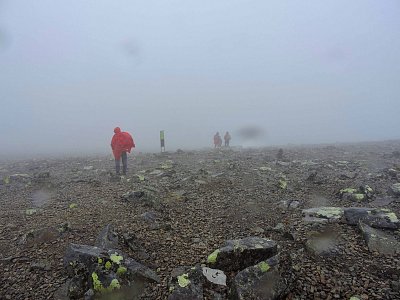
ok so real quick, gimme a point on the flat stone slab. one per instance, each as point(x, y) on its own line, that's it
point(323, 214)
point(378, 218)
point(239, 254)
point(379, 241)
point(261, 281)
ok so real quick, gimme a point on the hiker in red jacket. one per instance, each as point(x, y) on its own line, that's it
point(217, 140)
point(121, 143)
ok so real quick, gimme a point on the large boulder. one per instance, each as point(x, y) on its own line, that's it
point(379, 241)
point(186, 283)
point(238, 254)
point(261, 281)
point(378, 218)
point(322, 246)
point(107, 239)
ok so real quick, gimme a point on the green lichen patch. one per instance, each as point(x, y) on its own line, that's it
point(121, 270)
point(392, 217)
point(264, 266)
point(282, 184)
point(348, 191)
point(359, 197)
point(30, 211)
point(73, 205)
point(100, 261)
point(6, 180)
point(212, 258)
point(115, 258)
point(183, 280)
point(330, 212)
point(97, 285)
point(108, 265)
point(114, 285)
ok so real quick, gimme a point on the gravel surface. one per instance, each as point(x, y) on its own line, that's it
point(200, 199)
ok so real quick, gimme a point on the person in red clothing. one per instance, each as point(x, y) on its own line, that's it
point(121, 143)
point(217, 140)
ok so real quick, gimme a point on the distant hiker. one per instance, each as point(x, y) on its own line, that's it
point(227, 138)
point(121, 143)
point(217, 140)
point(279, 155)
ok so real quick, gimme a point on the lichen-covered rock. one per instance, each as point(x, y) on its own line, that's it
point(323, 214)
point(186, 283)
point(322, 246)
point(379, 241)
point(262, 281)
point(238, 254)
point(378, 218)
point(395, 189)
point(107, 239)
point(88, 255)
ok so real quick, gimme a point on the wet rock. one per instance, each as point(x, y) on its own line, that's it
point(378, 218)
point(107, 239)
point(322, 246)
point(214, 276)
point(43, 235)
point(379, 241)
point(395, 189)
point(238, 254)
point(261, 281)
point(186, 283)
point(323, 214)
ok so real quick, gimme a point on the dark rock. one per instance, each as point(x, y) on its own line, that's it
point(88, 255)
point(261, 281)
point(137, 270)
point(379, 241)
point(77, 287)
point(186, 283)
point(239, 254)
point(378, 218)
point(62, 292)
point(107, 239)
point(382, 201)
point(43, 235)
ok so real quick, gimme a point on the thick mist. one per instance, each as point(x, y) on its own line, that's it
point(298, 72)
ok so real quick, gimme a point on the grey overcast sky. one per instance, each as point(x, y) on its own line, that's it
point(302, 71)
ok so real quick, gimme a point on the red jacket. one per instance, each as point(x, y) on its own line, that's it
point(121, 142)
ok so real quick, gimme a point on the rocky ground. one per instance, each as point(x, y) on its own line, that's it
point(175, 209)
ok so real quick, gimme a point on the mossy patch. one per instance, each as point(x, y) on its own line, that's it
point(212, 258)
point(73, 205)
point(282, 184)
point(183, 280)
point(392, 217)
point(97, 285)
point(264, 266)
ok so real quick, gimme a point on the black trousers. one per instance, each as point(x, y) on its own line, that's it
point(124, 157)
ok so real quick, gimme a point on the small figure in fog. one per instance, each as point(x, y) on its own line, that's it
point(121, 144)
point(217, 140)
point(279, 155)
point(227, 138)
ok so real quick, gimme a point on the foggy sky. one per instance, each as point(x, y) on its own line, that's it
point(302, 71)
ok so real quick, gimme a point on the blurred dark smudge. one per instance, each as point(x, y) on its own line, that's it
point(251, 132)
